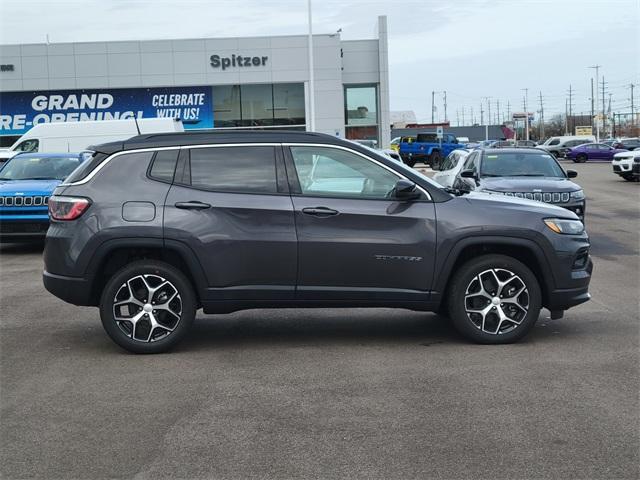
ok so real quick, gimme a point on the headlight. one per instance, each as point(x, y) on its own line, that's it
point(578, 195)
point(564, 226)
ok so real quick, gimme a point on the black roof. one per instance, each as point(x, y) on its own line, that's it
point(220, 136)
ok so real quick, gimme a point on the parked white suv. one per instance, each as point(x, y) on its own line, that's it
point(451, 166)
point(627, 165)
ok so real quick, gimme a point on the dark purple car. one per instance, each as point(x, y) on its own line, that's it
point(592, 151)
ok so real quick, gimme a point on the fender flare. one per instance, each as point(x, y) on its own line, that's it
point(444, 268)
point(186, 254)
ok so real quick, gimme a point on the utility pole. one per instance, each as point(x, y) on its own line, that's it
point(541, 117)
point(498, 112)
point(604, 121)
point(566, 117)
point(526, 112)
point(508, 110)
point(463, 124)
point(433, 106)
point(593, 102)
point(473, 119)
point(592, 105)
point(570, 117)
point(445, 105)
point(481, 115)
point(457, 117)
point(488, 99)
point(633, 114)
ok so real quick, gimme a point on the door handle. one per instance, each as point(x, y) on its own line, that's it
point(192, 205)
point(320, 211)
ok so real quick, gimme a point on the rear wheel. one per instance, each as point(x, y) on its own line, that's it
point(147, 307)
point(435, 159)
point(581, 158)
point(409, 162)
point(494, 299)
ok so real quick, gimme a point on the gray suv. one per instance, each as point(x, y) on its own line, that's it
point(153, 228)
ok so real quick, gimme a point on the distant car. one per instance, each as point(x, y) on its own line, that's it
point(395, 144)
point(428, 148)
point(450, 167)
point(366, 142)
point(522, 173)
point(558, 146)
point(503, 144)
point(525, 143)
point(592, 151)
point(627, 165)
point(628, 143)
point(27, 180)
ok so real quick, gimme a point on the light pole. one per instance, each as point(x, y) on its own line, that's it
point(312, 89)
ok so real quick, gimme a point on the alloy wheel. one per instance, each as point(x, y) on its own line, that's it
point(147, 308)
point(496, 301)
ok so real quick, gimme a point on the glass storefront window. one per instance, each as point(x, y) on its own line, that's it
point(259, 105)
point(288, 104)
point(361, 105)
point(226, 105)
point(256, 103)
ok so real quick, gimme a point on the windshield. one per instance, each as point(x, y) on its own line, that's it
point(520, 164)
point(26, 167)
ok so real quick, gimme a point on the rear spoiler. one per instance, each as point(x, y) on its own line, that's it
point(107, 148)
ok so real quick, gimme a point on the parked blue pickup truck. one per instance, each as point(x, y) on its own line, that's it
point(428, 149)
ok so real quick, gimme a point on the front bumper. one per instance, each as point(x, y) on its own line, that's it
point(565, 298)
point(626, 168)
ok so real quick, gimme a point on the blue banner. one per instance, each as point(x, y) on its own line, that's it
point(19, 111)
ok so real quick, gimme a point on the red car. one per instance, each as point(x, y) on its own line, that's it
point(592, 151)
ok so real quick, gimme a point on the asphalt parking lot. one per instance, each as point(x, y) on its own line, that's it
point(331, 393)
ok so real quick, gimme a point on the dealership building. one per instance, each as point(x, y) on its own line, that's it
point(252, 82)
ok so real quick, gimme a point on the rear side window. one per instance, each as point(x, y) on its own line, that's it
point(86, 167)
point(164, 165)
point(234, 169)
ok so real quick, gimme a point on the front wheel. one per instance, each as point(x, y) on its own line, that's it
point(494, 299)
point(147, 307)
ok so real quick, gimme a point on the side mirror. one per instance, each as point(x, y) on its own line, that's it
point(468, 174)
point(406, 190)
point(572, 174)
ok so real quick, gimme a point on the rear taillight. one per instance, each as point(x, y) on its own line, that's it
point(67, 208)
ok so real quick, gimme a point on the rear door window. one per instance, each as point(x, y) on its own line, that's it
point(164, 165)
point(250, 169)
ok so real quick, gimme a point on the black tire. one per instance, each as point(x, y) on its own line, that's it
point(629, 177)
point(581, 158)
point(409, 162)
point(435, 159)
point(466, 276)
point(160, 339)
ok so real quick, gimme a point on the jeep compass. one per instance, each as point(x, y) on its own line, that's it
point(156, 227)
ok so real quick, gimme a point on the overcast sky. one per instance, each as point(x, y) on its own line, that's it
point(471, 48)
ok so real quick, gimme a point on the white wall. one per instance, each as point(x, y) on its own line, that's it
point(186, 62)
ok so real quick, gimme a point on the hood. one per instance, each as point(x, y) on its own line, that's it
point(528, 184)
point(520, 203)
point(627, 154)
point(28, 187)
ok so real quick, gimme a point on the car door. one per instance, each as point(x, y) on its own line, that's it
point(355, 240)
point(230, 204)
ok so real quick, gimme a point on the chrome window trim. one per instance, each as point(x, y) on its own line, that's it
point(96, 170)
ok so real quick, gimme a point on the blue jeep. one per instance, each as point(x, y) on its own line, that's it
point(26, 182)
point(428, 149)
